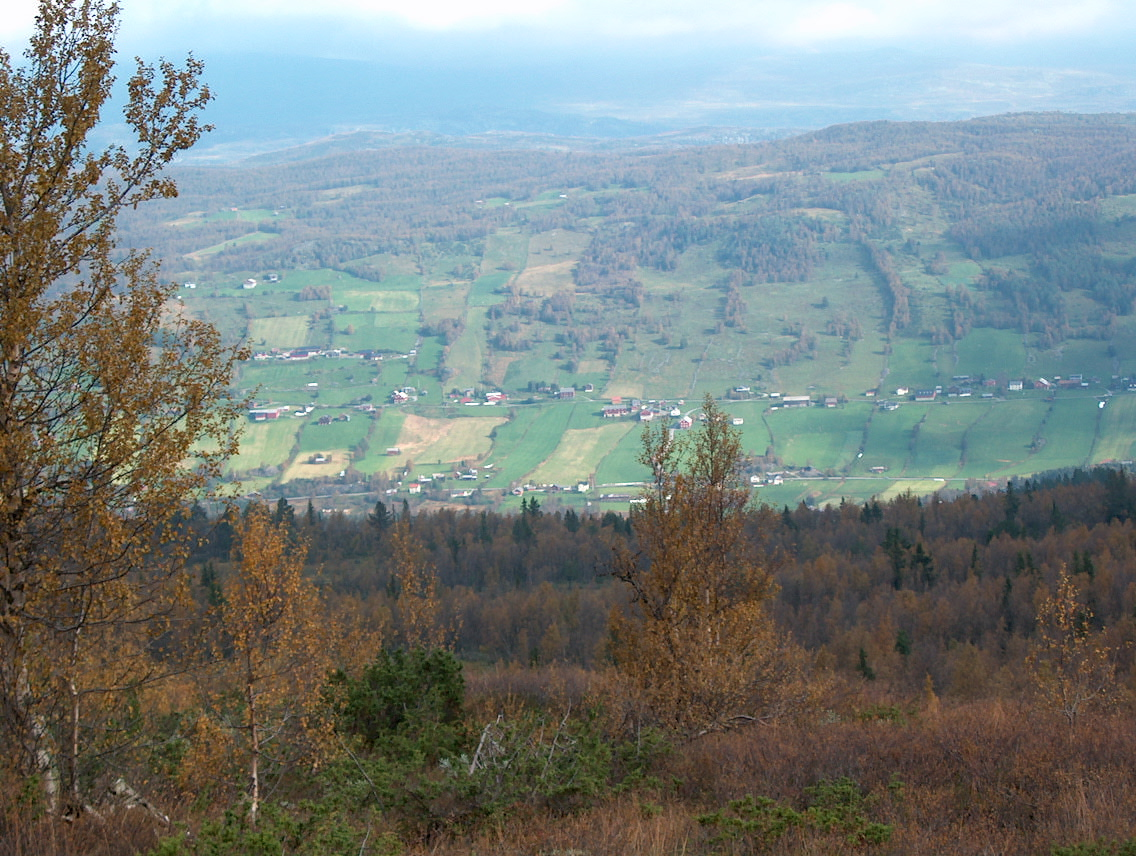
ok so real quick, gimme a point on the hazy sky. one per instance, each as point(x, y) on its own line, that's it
point(462, 67)
point(346, 27)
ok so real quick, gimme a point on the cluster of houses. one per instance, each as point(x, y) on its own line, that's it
point(404, 395)
point(963, 386)
point(651, 411)
point(312, 352)
point(296, 354)
point(424, 481)
point(470, 398)
point(274, 412)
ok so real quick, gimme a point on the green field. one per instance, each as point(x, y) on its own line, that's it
point(647, 278)
point(527, 440)
point(265, 444)
point(579, 451)
point(289, 332)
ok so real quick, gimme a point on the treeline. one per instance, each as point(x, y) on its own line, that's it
point(922, 587)
point(443, 681)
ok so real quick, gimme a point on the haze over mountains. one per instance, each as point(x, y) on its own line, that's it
point(267, 101)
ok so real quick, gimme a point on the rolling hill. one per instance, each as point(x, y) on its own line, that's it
point(989, 265)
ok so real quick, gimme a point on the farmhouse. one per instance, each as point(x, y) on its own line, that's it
point(925, 395)
point(796, 401)
point(616, 411)
point(304, 353)
point(262, 414)
point(248, 284)
point(685, 422)
point(564, 394)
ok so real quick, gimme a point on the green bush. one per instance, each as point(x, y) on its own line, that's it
point(1098, 848)
point(836, 806)
point(406, 704)
point(306, 830)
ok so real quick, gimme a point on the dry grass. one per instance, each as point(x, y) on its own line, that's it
point(989, 777)
point(951, 779)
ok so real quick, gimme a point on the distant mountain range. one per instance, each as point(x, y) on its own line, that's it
point(266, 103)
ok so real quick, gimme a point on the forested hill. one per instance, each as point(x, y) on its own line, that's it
point(868, 257)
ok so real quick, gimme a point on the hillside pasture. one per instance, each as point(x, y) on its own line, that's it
point(426, 440)
point(937, 445)
point(580, 450)
point(374, 300)
point(1087, 357)
point(1001, 437)
point(821, 437)
point(486, 289)
point(441, 300)
point(986, 352)
point(1065, 438)
point(264, 444)
point(385, 431)
point(233, 243)
point(621, 465)
point(890, 439)
point(524, 442)
point(303, 466)
point(292, 331)
point(550, 261)
point(466, 355)
point(336, 435)
point(382, 331)
point(1116, 440)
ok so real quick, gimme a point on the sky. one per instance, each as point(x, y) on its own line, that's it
point(287, 71)
point(349, 28)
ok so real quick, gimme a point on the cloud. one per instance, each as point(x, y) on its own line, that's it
point(768, 23)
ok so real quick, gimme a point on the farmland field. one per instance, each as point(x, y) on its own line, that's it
point(428, 441)
point(288, 332)
point(743, 273)
point(264, 444)
point(578, 453)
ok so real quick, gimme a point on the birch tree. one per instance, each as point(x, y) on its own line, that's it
point(106, 397)
point(276, 653)
point(1069, 664)
point(696, 647)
